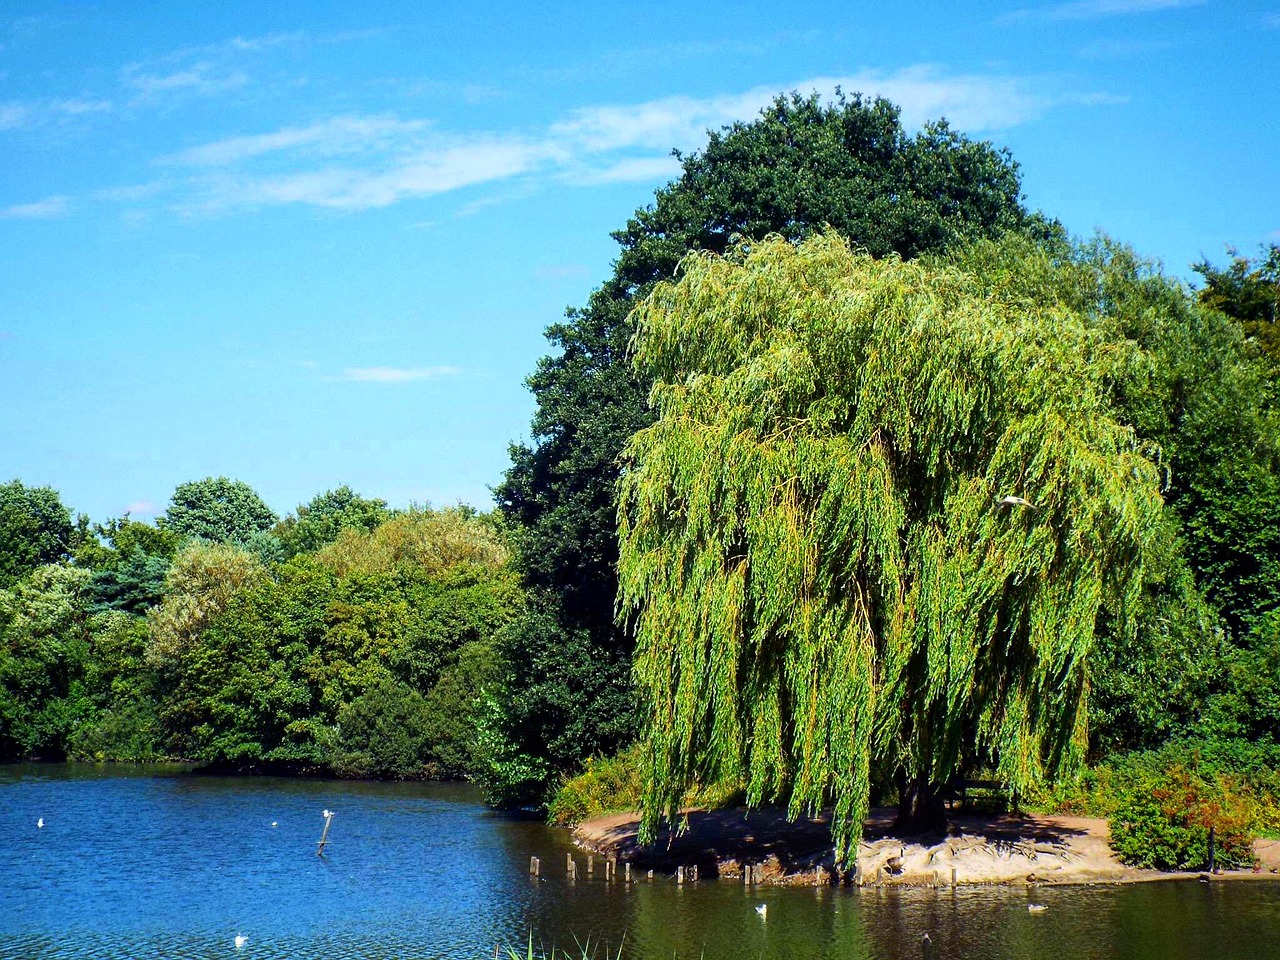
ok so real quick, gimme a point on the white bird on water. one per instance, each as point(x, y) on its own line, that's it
point(1036, 908)
point(763, 910)
point(274, 824)
point(40, 824)
point(241, 940)
point(328, 813)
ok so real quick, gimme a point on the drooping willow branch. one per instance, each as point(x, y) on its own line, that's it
point(819, 555)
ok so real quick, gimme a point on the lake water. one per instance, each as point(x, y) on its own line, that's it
point(136, 863)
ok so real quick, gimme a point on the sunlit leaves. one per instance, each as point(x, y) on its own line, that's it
point(814, 552)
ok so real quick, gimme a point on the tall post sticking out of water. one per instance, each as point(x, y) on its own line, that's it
point(535, 866)
point(324, 835)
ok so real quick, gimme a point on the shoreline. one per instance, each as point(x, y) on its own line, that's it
point(979, 850)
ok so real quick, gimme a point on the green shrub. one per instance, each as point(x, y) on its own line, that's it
point(1163, 821)
point(605, 785)
point(613, 784)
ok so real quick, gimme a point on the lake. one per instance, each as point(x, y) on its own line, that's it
point(147, 862)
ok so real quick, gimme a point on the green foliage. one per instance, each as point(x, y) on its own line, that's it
point(605, 785)
point(801, 165)
point(384, 732)
point(199, 585)
point(1248, 291)
point(217, 509)
point(557, 697)
point(1163, 822)
point(431, 541)
point(35, 529)
point(817, 549)
point(322, 520)
point(123, 688)
point(44, 642)
point(298, 668)
point(1162, 802)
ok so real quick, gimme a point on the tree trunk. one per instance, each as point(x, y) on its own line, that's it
point(921, 806)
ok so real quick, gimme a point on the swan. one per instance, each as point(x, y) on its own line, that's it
point(1036, 908)
point(763, 910)
point(40, 824)
point(241, 940)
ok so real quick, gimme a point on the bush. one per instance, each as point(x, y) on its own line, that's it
point(1163, 821)
point(613, 784)
point(606, 785)
point(1162, 802)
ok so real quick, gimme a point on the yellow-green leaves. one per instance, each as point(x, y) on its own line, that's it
point(874, 523)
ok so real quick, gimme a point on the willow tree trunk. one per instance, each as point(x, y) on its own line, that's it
point(921, 806)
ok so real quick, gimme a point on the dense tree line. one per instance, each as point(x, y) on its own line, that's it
point(346, 637)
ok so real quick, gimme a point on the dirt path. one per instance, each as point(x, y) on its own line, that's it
point(979, 849)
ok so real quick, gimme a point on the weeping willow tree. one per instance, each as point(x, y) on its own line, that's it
point(873, 526)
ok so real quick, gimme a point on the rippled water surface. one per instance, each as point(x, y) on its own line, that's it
point(135, 863)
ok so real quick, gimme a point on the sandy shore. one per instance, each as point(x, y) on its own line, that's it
point(979, 849)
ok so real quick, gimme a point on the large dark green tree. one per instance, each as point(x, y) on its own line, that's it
point(874, 525)
point(801, 165)
point(35, 529)
point(219, 510)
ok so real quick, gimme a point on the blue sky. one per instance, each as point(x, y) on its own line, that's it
point(305, 244)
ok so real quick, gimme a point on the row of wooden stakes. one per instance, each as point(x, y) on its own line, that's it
point(751, 873)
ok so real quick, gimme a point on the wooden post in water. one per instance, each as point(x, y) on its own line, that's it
point(535, 866)
point(324, 835)
point(613, 868)
point(650, 877)
point(591, 864)
point(953, 878)
point(679, 875)
point(627, 871)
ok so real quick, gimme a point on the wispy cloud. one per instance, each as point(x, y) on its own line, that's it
point(31, 113)
point(203, 78)
point(638, 169)
point(357, 162)
point(1098, 9)
point(143, 508)
point(46, 209)
point(396, 374)
point(338, 135)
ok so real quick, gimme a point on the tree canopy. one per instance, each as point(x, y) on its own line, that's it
point(217, 509)
point(35, 529)
point(801, 165)
point(874, 524)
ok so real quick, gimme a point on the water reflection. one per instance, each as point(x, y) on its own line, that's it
point(160, 863)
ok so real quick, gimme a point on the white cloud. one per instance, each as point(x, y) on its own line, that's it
point(13, 115)
point(46, 209)
point(353, 162)
point(142, 508)
point(396, 374)
point(203, 78)
point(422, 174)
point(1097, 9)
point(346, 134)
point(637, 169)
point(75, 107)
